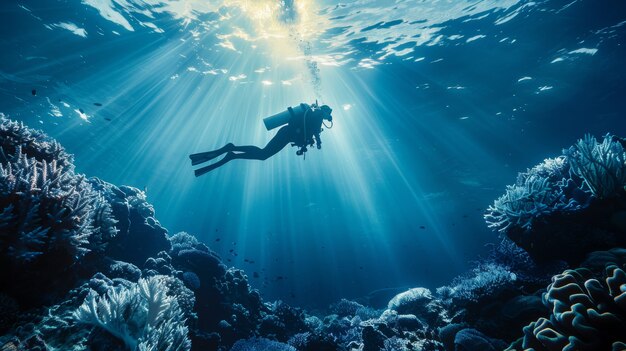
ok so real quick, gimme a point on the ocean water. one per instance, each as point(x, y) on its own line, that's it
point(437, 106)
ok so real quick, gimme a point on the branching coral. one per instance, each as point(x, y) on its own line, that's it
point(33, 143)
point(485, 280)
point(601, 165)
point(586, 314)
point(538, 191)
point(143, 316)
point(45, 208)
point(555, 184)
point(574, 201)
point(49, 215)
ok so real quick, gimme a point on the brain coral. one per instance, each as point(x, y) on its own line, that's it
point(587, 314)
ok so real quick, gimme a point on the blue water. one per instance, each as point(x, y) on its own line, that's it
point(437, 106)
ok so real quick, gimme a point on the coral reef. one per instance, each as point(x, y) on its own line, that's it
point(576, 202)
point(50, 217)
point(537, 192)
point(587, 314)
point(33, 143)
point(486, 279)
point(101, 273)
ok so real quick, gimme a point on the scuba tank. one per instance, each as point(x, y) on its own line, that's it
point(284, 117)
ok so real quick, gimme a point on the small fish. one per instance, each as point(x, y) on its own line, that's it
point(34, 92)
point(229, 260)
point(280, 277)
point(255, 274)
point(97, 104)
point(360, 267)
point(217, 239)
point(107, 119)
point(422, 227)
point(81, 110)
point(231, 250)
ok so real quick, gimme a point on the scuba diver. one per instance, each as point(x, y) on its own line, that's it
point(302, 129)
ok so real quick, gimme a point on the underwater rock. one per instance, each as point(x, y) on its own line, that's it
point(587, 314)
point(140, 235)
point(512, 315)
point(192, 281)
point(419, 302)
point(160, 265)
point(345, 308)
point(598, 260)
point(205, 264)
point(395, 343)
point(373, 340)
point(299, 341)
point(260, 344)
point(102, 340)
point(121, 269)
point(282, 321)
point(472, 340)
point(230, 298)
point(51, 325)
point(408, 322)
point(448, 333)
point(573, 202)
point(204, 341)
point(8, 312)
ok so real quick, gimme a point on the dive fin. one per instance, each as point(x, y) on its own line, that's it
point(204, 156)
point(206, 169)
point(209, 155)
point(200, 171)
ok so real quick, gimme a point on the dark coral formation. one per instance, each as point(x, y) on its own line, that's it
point(576, 202)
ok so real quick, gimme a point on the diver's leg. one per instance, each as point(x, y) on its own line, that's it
point(278, 142)
point(207, 156)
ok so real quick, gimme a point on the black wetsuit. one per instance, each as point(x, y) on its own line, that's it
point(301, 130)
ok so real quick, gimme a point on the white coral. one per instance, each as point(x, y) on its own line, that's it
point(601, 165)
point(143, 316)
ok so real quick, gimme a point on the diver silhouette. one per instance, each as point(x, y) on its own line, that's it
point(302, 129)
